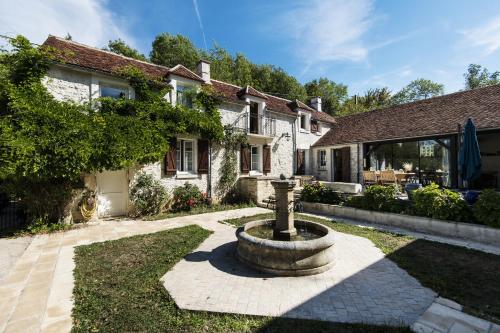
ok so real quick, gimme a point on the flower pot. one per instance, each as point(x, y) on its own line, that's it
point(410, 187)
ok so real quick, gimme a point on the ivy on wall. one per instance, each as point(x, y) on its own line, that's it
point(48, 143)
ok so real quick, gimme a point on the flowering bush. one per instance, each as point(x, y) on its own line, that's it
point(187, 197)
point(148, 195)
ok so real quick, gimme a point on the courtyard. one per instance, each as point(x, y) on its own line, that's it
point(181, 274)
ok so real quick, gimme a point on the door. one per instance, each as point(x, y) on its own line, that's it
point(342, 165)
point(254, 118)
point(301, 162)
point(112, 193)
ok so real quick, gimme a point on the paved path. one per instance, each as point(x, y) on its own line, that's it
point(36, 294)
point(363, 286)
point(10, 250)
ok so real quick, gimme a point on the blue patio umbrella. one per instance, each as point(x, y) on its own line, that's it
point(469, 159)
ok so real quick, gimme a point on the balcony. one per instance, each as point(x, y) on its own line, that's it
point(257, 126)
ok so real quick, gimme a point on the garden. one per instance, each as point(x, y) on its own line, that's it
point(430, 201)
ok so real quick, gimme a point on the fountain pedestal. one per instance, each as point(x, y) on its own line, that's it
point(284, 227)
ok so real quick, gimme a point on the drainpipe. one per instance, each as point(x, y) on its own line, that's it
point(294, 153)
point(357, 153)
point(209, 175)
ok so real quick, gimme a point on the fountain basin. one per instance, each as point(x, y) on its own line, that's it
point(287, 258)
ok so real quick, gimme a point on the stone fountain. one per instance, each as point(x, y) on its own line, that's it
point(286, 246)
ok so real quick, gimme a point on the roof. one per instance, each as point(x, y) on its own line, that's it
point(430, 117)
point(298, 104)
point(92, 58)
point(248, 90)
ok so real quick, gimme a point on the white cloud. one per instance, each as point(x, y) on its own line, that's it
point(485, 36)
point(329, 30)
point(88, 21)
point(200, 22)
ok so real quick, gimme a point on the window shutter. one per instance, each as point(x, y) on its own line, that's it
point(314, 126)
point(346, 164)
point(300, 163)
point(266, 158)
point(245, 159)
point(170, 158)
point(202, 156)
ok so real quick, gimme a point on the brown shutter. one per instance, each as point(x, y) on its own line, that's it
point(300, 162)
point(266, 158)
point(245, 159)
point(314, 126)
point(170, 158)
point(202, 156)
point(346, 164)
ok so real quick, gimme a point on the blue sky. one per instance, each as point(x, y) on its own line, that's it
point(362, 43)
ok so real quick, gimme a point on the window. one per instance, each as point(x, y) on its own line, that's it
point(255, 159)
point(303, 122)
point(322, 159)
point(113, 92)
point(184, 96)
point(185, 156)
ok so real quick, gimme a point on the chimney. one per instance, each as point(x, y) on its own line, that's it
point(316, 103)
point(203, 70)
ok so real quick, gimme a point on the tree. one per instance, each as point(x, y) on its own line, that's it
point(477, 77)
point(372, 99)
point(242, 71)
point(333, 95)
point(118, 46)
point(169, 50)
point(417, 90)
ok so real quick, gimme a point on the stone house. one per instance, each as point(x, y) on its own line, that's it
point(424, 135)
point(280, 131)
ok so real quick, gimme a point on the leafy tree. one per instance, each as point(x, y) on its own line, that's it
point(417, 90)
point(477, 77)
point(372, 99)
point(242, 71)
point(332, 94)
point(169, 50)
point(222, 66)
point(118, 46)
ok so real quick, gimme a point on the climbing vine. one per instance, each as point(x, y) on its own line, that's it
point(231, 143)
point(46, 143)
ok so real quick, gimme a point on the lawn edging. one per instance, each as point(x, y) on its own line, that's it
point(467, 231)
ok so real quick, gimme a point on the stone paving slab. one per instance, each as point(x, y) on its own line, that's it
point(11, 250)
point(363, 286)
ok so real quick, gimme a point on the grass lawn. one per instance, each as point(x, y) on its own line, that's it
point(198, 210)
point(469, 277)
point(117, 289)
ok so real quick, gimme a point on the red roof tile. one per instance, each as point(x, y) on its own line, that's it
point(248, 90)
point(434, 116)
point(184, 72)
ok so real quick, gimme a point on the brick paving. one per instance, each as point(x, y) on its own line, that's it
point(363, 286)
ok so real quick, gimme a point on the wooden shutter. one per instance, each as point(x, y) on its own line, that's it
point(346, 164)
point(300, 162)
point(266, 158)
point(171, 158)
point(314, 126)
point(245, 159)
point(202, 156)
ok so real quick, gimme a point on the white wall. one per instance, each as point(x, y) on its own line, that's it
point(356, 162)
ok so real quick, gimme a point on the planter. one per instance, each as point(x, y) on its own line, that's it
point(467, 231)
point(410, 187)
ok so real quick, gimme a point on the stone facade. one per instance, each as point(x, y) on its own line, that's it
point(81, 86)
point(356, 162)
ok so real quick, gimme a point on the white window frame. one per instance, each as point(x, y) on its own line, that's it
point(106, 84)
point(182, 162)
point(181, 85)
point(306, 123)
point(322, 159)
point(258, 161)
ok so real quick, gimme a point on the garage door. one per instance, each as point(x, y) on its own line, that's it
point(112, 187)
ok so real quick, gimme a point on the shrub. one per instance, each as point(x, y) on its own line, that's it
point(431, 201)
point(487, 208)
point(317, 192)
point(187, 197)
point(148, 195)
point(379, 198)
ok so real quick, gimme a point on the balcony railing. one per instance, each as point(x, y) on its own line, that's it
point(260, 124)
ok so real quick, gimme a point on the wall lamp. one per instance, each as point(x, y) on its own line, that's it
point(286, 136)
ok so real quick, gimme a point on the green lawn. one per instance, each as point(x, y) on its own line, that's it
point(117, 289)
point(469, 277)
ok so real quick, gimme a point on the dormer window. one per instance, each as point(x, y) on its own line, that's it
point(184, 96)
point(304, 122)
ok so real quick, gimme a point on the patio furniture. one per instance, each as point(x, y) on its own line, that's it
point(370, 178)
point(388, 177)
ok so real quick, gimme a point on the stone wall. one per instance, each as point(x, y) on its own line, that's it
point(356, 162)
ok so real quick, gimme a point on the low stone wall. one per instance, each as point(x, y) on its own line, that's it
point(467, 231)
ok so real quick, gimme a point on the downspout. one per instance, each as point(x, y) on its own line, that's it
point(209, 175)
point(358, 162)
point(294, 144)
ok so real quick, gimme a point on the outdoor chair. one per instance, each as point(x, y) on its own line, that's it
point(388, 177)
point(369, 178)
